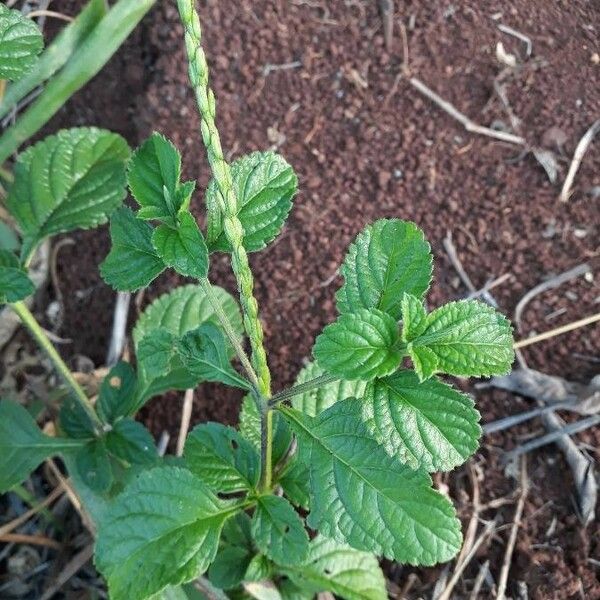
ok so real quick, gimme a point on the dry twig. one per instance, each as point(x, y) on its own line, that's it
point(186, 415)
point(33, 540)
point(557, 331)
point(70, 569)
point(581, 149)
point(510, 547)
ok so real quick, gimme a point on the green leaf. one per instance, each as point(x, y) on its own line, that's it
point(425, 424)
point(222, 458)
point(132, 442)
point(318, 399)
point(237, 531)
point(363, 496)
point(117, 393)
point(229, 567)
point(264, 184)
point(414, 317)
point(23, 446)
point(132, 262)
point(182, 247)
point(74, 179)
point(163, 529)
point(259, 569)
point(337, 568)
point(294, 482)
point(155, 352)
point(14, 283)
point(74, 421)
point(8, 238)
point(154, 175)
point(250, 429)
point(278, 530)
point(203, 353)
point(466, 338)
point(94, 466)
point(387, 259)
point(20, 43)
point(178, 312)
point(362, 345)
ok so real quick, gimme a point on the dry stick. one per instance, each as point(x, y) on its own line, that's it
point(550, 284)
point(483, 571)
point(387, 16)
point(558, 331)
point(513, 532)
point(50, 13)
point(21, 519)
point(117, 338)
point(186, 416)
point(467, 123)
point(33, 540)
point(581, 149)
point(70, 569)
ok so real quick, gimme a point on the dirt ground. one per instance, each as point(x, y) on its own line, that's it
point(314, 79)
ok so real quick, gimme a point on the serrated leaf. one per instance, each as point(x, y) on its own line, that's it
point(132, 262)
point(337, 568)
point(153, 175)
point(117, 393)
point(237, 531)
point(163, 529)
point(264, 184)
point(388, 258)
point(361, 345)
point(363, 496)
point(414, 317)
point(155, 352)
point(178, 312)
point(229, 567)
point(425, 424)
point(94, 466)
point(14, 282)
point(74, 421)
point(222, 458)
point(259, 569)
point(318, 399)
point(23, 446)
point(20, 43)
point(8, 238)
point(278, 531)
point(203, 352)
point(294, 483)
point(74, 179)
point(182, 247)
point(250, 428)
point(466, 338)
point(131, 442)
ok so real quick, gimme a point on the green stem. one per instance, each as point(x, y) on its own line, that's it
point(302, 388)
point(41, 338)
point(229, 331)
point(228, 203)
point(266, 448)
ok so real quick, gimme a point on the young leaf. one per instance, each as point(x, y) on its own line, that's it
point(466, 338)
point(337, 568)
point(264, 184)
point(361, 495)
point(250, 429)
point(14, 283)
point(182, 247)
point(131, 442)
point(20, 43)
point(425, 424)
point(278, 530)
point(294, 482)
point(163, 529)
point(132, 262)
point(154, 180)
point(222, 458)
point(229, 567)
point(117, 393)
point(388, 258)
point(414, 317)
point(23, 446)
point(74, 179)
point(94, 466)
point(203, 353)
point(155, 353)
point(318, 399)
point(361, 345)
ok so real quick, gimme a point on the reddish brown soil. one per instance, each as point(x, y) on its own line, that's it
point(364, 148)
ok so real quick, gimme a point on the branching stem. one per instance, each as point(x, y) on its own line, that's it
point(41, 338)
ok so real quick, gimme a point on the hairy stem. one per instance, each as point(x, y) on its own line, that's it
point(228, 203)
point(302, 388)
point(229, 331)
point(266, 447)
point(45, 344)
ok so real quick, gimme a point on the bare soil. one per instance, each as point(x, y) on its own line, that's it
point(314, 79)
